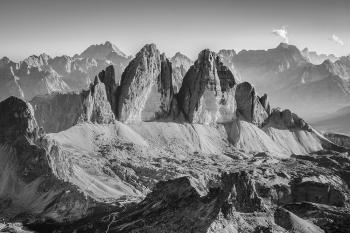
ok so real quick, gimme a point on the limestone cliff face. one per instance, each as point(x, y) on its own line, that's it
point(228, 57)
point(339, 139)
point(180, 65)
point(249, 107)
point(16, 119)
point(58, 112)
point(145, 92)
point(28, 185)
point(96, 105)
point(286, 120)
point(107, 77)
point(206, 93)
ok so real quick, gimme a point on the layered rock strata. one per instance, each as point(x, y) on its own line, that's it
point(207, 92)
point(145, 92)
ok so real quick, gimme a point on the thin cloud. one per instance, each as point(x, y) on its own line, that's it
point(282, 33)
point(337, 40)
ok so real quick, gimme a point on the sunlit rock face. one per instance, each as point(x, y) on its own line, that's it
point(146, 90)
point(207, 92)
point(180, 65)
point(339, 139)
point(58, 112)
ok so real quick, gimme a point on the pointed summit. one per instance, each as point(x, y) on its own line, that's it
point(283, 45)
point(180, 64)
point(145, 90)
point(101, 51)
point(206, 94)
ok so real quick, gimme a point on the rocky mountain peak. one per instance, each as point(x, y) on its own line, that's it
point(305, 50)
point(4, 60)
point(315, 58)
point(149, 50)
point(249, 106)
point(145, 90)
point(286, 120)
point(180, 65)
point(202, 94)
point(37, 61)
point(17, 119)
point(206, 58)
point(227, 52)
point(101, 51)
point(283, 45)
point(180, 56)
point(180, 59)
point(107, 77)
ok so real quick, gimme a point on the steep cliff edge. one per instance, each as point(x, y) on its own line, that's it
point(29, 189)
point(207, 91)
point(236, 167)
point(145, 92)
point(59, 112)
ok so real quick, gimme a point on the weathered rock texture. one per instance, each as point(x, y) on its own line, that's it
point(286, 120)
point(339, 139)
point(28, 185)
point(207, 92)
point(180, 65)
point(58, 112)
point(16, 120)
point(40, 75)
point(107, 77)
point(200, 181)
point(249, 107)
point(293, 223)
point(228, 57)
point(145, 92)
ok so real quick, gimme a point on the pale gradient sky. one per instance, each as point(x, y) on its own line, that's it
point(59, 27)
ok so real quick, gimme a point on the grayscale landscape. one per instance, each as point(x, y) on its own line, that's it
point(175, 116)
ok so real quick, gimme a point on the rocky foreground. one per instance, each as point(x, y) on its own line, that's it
point(144, 156)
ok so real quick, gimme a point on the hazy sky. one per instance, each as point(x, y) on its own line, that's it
point(69, 26)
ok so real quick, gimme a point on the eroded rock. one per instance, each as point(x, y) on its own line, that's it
point(286, 120)
point(206, 93)
point(249, 107)
point(58, 112)
point(16, 120)
point(145, 92)
point(180, 65)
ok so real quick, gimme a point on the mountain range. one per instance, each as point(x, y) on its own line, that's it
point(303, 81)
point(169, 145)
point(291, 80)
